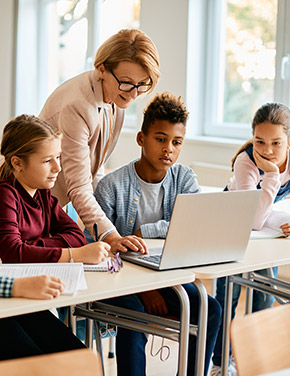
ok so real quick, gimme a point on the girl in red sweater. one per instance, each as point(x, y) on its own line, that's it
point(33, 227)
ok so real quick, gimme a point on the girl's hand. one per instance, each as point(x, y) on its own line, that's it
point(264, 164)
point(37, 287)
point(286, 229)
point(92, 253)
point(123, 244)
point(154, 303)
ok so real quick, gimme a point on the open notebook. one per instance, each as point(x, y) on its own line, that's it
point(72, 274)
point(271, 228)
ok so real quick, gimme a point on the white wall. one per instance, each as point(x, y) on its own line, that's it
point(166, 22)
point(7, 65)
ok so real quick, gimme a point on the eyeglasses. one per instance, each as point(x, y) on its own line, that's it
point(128, 86)
point(115, 264)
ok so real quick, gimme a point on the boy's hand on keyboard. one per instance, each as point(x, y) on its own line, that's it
point(154, 303)
point(122, 244)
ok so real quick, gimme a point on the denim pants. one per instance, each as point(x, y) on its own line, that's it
point(260, 301)
point(130, 345)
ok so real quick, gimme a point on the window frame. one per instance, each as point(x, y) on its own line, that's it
point(212, 126)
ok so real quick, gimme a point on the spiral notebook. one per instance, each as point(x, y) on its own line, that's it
point(101, 267)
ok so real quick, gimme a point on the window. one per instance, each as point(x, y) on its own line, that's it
point(245, 44)
point(61, 38)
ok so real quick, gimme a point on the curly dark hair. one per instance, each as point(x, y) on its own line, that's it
point(164, 106)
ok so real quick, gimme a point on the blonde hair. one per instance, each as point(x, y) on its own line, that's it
point(274, 113)
point(133, 46)
point(22, 137)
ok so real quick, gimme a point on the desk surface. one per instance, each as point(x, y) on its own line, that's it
point(260, 254)
point(102, 285)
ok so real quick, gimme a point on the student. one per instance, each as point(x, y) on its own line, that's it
point(89, 110)
point(35, 333)
point(138, 198)
point(261, 163)
point(33, 227)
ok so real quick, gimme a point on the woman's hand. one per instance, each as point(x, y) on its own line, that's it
point(264, 164)
point(286, 229)
point(123, 244)
point(38, 287)
point(92, 253)
point(154, 303)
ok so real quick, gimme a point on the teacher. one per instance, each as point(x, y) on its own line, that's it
point(89, 111)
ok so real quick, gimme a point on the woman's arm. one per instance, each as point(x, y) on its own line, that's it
point(81, 155)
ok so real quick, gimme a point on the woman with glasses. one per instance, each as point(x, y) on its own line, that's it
point(89, 111)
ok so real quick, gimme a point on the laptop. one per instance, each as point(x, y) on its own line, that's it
point(205, 228)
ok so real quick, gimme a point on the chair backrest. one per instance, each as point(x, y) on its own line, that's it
point(73, 363)
point(261, 341)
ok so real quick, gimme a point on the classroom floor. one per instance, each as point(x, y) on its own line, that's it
point(156, 367)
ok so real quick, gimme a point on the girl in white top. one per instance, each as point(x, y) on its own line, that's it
point(263, 162)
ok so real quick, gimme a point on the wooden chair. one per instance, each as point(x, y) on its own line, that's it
point(261, 341)
point(73, 363)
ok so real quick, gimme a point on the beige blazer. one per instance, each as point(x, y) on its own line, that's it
point(76, 109)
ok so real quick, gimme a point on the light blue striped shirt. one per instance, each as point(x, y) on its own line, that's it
point(118, 193)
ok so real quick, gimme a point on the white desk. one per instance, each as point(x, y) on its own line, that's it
point(131, 279)
point(260, 254)
point(101, 285)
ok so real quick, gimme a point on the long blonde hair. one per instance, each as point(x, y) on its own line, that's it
point(133, 46)
point(22, 137)
point(274, 113)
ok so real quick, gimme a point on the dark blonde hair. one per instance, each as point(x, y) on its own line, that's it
point(164, 106)
point(274, 113)
point(133, 46)
point(22, 137)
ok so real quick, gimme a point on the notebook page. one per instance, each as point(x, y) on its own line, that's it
point(71, 273)
point(271, 228)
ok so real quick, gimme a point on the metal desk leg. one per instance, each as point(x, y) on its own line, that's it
point(184, 329)
point(99, 347)
point(202, 328)
point(226, 325)
point(89, 330)
point(72, 320)
point(249, 296)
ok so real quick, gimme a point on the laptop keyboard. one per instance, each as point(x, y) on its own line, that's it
point(154, 259)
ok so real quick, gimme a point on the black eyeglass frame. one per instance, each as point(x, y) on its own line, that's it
point(133, 86)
